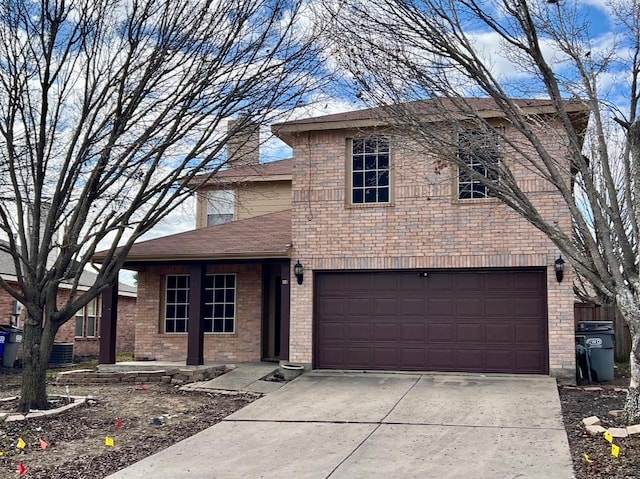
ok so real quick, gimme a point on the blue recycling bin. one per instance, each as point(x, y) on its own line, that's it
point(4, 338)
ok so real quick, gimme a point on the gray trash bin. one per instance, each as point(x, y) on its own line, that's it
point(13, 339)
point(598, 339)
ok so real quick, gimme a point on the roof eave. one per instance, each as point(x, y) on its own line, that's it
point(212, 257)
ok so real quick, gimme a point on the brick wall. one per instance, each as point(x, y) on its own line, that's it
point(426, 226)
point(243, 345)
point(66, 333)
point(125, 332)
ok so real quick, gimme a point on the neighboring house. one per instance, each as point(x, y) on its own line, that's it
point(83, 330)
point(407, 264)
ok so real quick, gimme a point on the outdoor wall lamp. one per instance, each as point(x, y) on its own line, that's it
point(298, 270)
point(559, 267)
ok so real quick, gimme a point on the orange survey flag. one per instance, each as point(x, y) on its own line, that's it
point(22, 469)
point(43, 443)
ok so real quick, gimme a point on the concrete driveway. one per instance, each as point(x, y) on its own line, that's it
point(364, 425)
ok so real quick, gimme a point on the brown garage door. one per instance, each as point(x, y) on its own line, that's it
point(477, 321)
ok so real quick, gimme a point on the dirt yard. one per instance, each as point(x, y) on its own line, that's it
point(156, 415)
point(141, 419)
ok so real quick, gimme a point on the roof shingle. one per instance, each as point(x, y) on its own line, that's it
point(266, 236)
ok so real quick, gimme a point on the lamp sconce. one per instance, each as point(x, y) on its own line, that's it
point(558, 265)
point(298, 270)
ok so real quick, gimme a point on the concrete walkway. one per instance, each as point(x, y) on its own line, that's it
point(246, 377)
point(332, 425)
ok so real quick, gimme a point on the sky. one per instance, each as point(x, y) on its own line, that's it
point(183, 219)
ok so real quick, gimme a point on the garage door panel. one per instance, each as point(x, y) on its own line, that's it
point(358, 307)
point(499, 307)
point(470, 307)
point(470, 333)
point(441, 358)
point(357, 332)
point(529, 333)
point(412, 358)
point(412, 332)
point(331, 331)
point(411, 307)
point(471, 359)
point(469, 282)
point(384, 332)
point(497, 359)
point(441, 307)
point(385, 358)
point(384, 307)
point(439, 332)
point(471, 320)
point(359, 357)
point(529, 308)
point(500, 333)
point(528, 361)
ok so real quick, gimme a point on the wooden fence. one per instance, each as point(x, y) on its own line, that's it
point(607, 312)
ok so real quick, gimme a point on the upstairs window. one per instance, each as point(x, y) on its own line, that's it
point(480, 154)
point(370, 159)
point(220, 206)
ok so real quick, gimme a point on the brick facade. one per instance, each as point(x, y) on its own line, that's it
point(66, 333)
point(243, 345)
point(425, 226)
point(125, 333)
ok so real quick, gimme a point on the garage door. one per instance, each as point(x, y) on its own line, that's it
point(475, 321)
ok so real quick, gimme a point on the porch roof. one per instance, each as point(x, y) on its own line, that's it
point(262, 237)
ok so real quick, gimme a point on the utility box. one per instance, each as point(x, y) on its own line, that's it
point(13, 339)
point(598, 340)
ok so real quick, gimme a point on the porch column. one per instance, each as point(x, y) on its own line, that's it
point(285, 306)
point(195, 335)
point(108, 325)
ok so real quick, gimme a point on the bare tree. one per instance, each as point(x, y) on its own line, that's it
point(447, 50)
point(107, 109)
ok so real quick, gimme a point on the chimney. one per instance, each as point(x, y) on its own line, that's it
point(243, 146)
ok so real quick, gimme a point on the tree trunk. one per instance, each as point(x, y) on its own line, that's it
point(632, 403)
point(38, 342)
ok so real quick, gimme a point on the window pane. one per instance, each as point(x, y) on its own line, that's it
point(383, 195)
point(231, 280)
point(370, 195)
point(219, 281)
point(228, 325)
point(230, 296)
point(79, 326)
point(358, 146)
point(181, 326)
point(383, 162)
point(383, 178)
point(218, 325)
point(358, 196)
point(91, 327)
point(221, 202)
point(182, 311)
point(219, 296)
point(218, 310)
point(181, 296)
point(170, 326)
point(370, 162)
point(358, 180)
point(208, 325)
point(371, 178)
point(229, 310)
point(358, 163)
